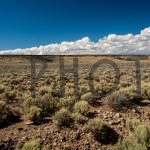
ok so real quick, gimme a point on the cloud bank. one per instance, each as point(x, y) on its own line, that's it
point(112, 44)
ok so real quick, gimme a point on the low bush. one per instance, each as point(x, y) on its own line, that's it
point(79, 118)
point(47, 104)
point(8, 115)
point(67, 102)
point(140, 132)
point(81, 107)
point(35, 114)
point(117, 100)
point(27, 101)
point(61, 117)
point(102, 131)
point(132, 94)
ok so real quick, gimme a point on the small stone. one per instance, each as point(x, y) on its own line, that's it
point(117, 115)
point(54, 144)
point(105, 116)
point(23, 138)
point(110, 122)
point(134, 111)
point(29, 122)
point(115, 122)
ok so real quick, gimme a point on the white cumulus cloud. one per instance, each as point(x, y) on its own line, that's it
point(128, 44)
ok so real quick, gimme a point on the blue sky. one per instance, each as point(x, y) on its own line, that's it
point(28, 23)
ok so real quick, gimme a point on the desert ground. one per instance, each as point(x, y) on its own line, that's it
point(49, 120)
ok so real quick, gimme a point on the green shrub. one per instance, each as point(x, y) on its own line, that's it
point(102, 131)
point(35, 114)
point(46, 103)
point(87, 97)
point(81, 107)
point(131, 92)
point(27, 101)
point(8, 114)
point(61, 117)
point(79, 118)
point(129, 144)
point(117, 100)
point(142, 133)
point(32, 145)
point(145, 91)
point(132, 124)
point(67, 102)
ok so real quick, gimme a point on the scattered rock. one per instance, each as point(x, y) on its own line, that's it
point(29, 123)
point(115, 122)
point(117, 115)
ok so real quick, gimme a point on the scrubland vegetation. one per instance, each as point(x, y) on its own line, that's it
point(118, 121)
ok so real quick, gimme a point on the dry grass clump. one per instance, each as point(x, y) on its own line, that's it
point(142, 134)
point(129, 144)
point(139, 138)
point(132, 123)
point(34, 144)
